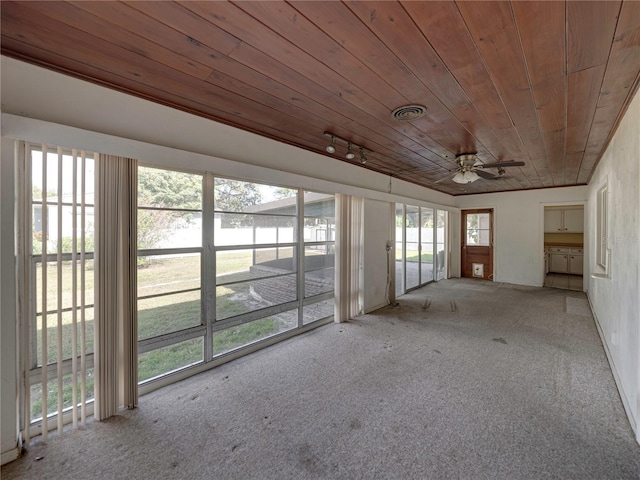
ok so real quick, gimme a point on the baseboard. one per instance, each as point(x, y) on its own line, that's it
point(623, 396)
point(10, 456)
point(372, 309)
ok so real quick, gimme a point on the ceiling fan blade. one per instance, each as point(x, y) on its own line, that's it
point(503, 164)
point(487, 175)
point(442, 179)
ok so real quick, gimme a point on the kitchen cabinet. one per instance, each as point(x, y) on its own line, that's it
point(564, 220)
point(575, 264)
point(558, 263)
point(566, 260)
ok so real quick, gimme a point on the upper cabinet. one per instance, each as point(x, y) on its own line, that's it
point(564, 220)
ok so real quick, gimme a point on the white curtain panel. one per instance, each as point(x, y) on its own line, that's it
point(349, 269)
point(116, 362)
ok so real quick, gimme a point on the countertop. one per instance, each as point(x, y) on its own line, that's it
point(560, 244)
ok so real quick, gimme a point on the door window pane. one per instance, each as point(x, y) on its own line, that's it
point(478, 229)
point(399, 263)
point(426, 245)
point(440, 259)
point(412, 246)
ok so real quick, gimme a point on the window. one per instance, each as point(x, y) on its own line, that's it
point(221, 264)
point(59, 194)
point(479, 229)
point(224, 264)
point(170, 322)
point(602, 234)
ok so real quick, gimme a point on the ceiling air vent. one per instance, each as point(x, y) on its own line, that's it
point(408, 112)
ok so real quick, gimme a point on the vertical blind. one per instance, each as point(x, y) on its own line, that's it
point(55, 201)
point(115, 278)
point(62, 316)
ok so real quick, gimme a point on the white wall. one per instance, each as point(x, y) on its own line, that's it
point(615, 300)
point(519, 230)
point(8, 358)
point(378, 223)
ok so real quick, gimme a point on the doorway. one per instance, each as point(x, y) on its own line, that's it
point(477, 244)
point(420, 247)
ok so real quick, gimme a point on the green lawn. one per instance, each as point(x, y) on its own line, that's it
point(413, 255)
point(156, 316)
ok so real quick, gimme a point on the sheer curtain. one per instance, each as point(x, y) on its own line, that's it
point(115, 280)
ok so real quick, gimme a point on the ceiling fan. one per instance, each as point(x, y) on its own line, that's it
point(471, 169)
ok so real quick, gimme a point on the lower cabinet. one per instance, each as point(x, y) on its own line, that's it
point(558, 263)
point(566, 260)
point(575, 264)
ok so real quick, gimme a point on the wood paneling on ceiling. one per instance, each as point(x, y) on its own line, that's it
point(541, 82)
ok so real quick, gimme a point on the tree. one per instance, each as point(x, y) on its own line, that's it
point(165, 189)
point(235, 196)
point(282, 192)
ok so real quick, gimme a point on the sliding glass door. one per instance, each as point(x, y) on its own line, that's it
point(412, 247)
point(420, 246)
point(426, 245)
point(440, 236)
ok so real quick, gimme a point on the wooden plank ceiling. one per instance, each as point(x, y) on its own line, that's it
point(541, 82)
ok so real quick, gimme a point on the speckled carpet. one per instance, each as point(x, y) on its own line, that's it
point(462, 380)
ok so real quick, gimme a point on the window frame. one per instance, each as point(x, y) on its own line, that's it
point(602, 251)
point(211, 325)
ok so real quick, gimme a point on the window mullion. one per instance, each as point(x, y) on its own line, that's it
point(208, 264)
point(301, 255)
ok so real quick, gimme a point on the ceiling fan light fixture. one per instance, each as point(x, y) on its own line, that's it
point(465, 177)
point(331, 148)
point(350, 155)
point(459, 178)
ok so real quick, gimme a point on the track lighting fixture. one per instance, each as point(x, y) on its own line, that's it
point(363, 159)
point(351, 147)
point(350, 155)
point(331, 148)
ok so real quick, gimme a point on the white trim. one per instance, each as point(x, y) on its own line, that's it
point(541, 233)
point(10, 455)
point(377, 307)
point(623, 394)
point(364, 184)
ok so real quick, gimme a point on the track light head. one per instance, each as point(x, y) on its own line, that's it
point(352, 148)
point(350, 155)
point(331, 148)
